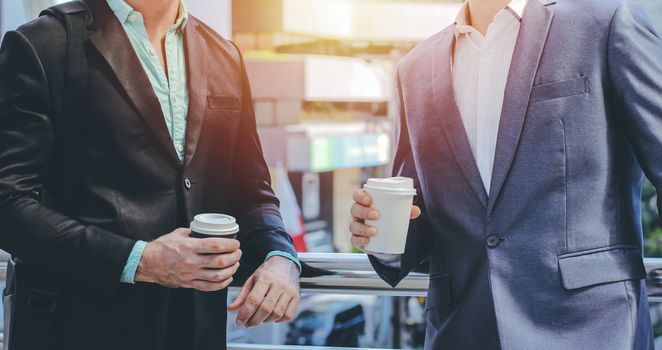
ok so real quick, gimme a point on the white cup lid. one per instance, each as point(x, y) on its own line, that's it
point(392, 185)
point(214, 224)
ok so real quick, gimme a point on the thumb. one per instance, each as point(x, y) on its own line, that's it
point(243, 293)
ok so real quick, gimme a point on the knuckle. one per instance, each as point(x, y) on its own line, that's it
point(253, 300)
point(219, 277)
point(187, 246)
point(266, 308)
point(188, 263)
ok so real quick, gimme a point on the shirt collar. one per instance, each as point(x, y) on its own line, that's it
point(515, 8)
point(123, 10)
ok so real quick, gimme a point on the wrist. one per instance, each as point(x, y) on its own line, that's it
point(142, 272)
point(282, 262)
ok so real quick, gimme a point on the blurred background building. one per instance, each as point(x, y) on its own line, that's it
point(321, 73)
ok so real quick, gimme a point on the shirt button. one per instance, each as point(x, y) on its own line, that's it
point(187, 183)
point(132, 18)
point(180, 148)
point(493, 241)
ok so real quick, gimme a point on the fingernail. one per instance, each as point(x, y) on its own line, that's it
point(240, 323)
point(373, 215)
point(372, 231)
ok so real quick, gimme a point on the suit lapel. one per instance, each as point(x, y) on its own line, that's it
point(109, 38)
point(449, 113)
point(530, 43)
point(196, 70)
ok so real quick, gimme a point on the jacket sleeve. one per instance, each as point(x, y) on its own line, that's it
point(635, 70)
point(254, 204)
point(419, 236)
point(50, 241)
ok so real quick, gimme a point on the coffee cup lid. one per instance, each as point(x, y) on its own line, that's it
point(392, 185)
point(214, 224)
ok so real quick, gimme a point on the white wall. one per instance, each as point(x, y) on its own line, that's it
point(215, 13)
point(12, 15)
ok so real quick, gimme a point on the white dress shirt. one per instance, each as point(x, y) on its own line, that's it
point(480, 72)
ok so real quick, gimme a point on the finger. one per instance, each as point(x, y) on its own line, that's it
point(243, 293)
point(266, 308)
point(360, 242)
point(415, 212)
point(206, 286)
point(221, 261)
point(360, 229)
point(217, 275)
point(362, 213)
point(362, 197)
point(215, 245)
point(279, 310)
point(252, 302)
point(291, 310)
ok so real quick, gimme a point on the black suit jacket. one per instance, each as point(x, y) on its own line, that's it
point(128, 184)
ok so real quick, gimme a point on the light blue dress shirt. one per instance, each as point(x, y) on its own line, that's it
point(170, 89)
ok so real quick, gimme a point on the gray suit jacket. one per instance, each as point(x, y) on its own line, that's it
point(551, 258)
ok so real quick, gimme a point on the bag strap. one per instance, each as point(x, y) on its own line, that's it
point(74, 15)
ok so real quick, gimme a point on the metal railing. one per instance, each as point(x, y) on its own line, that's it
point(353, 274)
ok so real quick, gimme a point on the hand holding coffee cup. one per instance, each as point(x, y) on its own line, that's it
point(177, 260)
point(381, 214)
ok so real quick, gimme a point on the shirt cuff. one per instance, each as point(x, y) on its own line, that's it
point(391, 260)
point(284, 255)
point(129, 272)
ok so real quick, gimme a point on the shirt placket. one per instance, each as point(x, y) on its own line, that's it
point(174, 86)
point(483, 112)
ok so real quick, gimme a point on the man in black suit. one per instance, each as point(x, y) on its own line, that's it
point(167, 131)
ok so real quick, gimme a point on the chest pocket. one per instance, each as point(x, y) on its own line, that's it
point(559, 89)
point(223, 102)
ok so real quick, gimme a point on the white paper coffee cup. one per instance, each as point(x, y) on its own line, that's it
point(214, 225)
point(392, 198)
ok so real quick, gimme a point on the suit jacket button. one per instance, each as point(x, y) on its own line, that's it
point(493, 241)
point(187, 183)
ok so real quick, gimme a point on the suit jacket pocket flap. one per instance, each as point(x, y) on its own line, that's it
point(550, 91)
point(223, 102)
point(598, 266)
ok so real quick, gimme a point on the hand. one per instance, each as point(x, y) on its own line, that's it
point(179, 261)
point(361, 211)
point(270, 294)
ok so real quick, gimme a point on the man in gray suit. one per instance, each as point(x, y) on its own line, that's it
point(526, 126)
